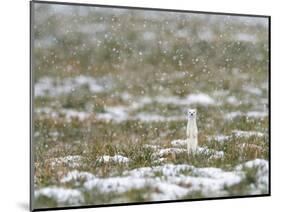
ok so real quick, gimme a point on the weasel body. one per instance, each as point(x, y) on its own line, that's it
point(191, 131)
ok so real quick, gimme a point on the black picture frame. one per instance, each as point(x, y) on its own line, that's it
point(147, 9)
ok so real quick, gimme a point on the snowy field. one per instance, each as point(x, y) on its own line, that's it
point(111, 89)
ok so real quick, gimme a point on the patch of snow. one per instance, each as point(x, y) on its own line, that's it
point(148, 36)
point(148, 117)
point(43, 86)
point(121, 113)
point(180, 147)
point(170, 100)
point(183, 33)
point(216, 173)
point(116, 184)
point(171, 181)
point(167, 151)
point(46, 111)
point(252, 146)
point(160, 160)
point(179, 142)
point(264, 85)
point(220, 138)
point(137, 102)
point(232, 115)
point(36, 134)
point(61, 195)
point(172, 170)
point(247, 134)
point(206, 34)
point(252, 90)
point(220, 93)
point(246, 37)
point(153, 147)
point(257, 114)
point(140, 172)
point(145, 100)
point(168, 191)
point(250, 114)
point(232, 100)
point(200, 150)
point(254, 164)
point(47, 86)
point(69, 114)
point(72, 161)
point(86, 80)
point(125, 96)
point(262, 174)
point(205, 180)
point(114, 159)
point(54, 134)
point(117, 113)
point(200, 98)
point(214, 154)
point(77, 176)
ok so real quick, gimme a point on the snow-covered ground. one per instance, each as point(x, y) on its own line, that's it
point(236, 133)
point(113, 159)
point(62, 195)
point(165, 181)
point(72, 161)
point(68, 114)
point(250, 114)
point(48, 86)
point(168, 181)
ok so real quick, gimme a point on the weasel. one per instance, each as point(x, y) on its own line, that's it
point(191, 131)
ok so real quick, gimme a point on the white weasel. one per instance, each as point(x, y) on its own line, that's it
point(191, 131)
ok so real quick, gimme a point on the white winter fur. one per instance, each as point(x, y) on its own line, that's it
point(191, 131)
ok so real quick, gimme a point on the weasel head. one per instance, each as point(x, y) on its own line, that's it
point(191, 114)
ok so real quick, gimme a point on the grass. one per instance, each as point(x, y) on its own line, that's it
point(168, 65)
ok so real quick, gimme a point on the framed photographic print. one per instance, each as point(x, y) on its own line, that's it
point(142, 105)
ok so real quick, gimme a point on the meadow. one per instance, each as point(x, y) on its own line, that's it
point(111, 91)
